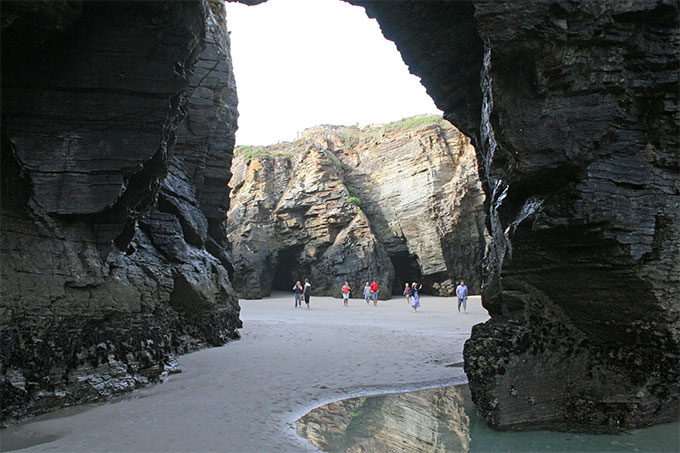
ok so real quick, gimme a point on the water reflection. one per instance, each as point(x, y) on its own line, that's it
point(445, 419)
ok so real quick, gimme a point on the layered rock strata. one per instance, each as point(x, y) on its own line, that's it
point(404, 196)
point(573, 109)
point(291, 218)
point(417, 181)
point(118, 124)
point(429, 420)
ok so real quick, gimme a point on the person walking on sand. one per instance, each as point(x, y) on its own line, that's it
point(345, 294)
point(367, 293)
point(307, 292)
point(374, 293)
point(407, 293)
point(462, 293)
point(415, 296)
point(298, 294)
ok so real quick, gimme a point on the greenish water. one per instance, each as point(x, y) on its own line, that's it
point(445, 420)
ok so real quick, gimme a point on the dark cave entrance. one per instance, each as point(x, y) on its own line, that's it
point(287, 270)
point(406, 269)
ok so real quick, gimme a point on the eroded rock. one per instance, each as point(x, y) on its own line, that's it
point(101, 285)
point(573, 109)
point(349, 203)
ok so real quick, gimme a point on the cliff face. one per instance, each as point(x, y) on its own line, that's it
point(397, 203)
point(291, 218)
point(573, 109)
point(419, 186)
point(107, 108)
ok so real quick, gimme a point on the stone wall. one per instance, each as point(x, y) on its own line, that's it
point(108, 107)
point(573, 109)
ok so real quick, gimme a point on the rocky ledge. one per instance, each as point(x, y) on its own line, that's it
point(396, 202)
point(117, 133)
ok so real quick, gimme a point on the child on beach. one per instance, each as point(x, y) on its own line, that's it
point(298, 294)
point(345, 294)
point(367, 293)
point(407, 293)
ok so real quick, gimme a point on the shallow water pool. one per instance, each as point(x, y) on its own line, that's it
point(445, 419)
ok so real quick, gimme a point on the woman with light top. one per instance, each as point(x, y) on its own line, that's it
point(307, 292)
point(415, 296)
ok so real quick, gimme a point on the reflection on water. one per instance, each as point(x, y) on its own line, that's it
point(445, 419)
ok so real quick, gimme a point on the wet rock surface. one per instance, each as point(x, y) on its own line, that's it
point(395, 203)
point(116, 136)
point(573, 109)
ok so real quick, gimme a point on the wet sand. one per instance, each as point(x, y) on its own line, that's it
point(246, 395)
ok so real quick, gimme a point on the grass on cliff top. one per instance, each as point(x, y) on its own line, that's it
point(353, 135)
point(247, 152)
point(413, 122)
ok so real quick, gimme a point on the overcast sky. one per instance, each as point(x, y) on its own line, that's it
point(300, 63)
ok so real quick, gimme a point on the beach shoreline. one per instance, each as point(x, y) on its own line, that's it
point(246, 396)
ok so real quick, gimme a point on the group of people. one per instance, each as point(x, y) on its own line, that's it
point(302, 292)
point(370, 293)
point(411, 291)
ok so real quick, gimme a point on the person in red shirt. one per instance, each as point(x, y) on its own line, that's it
point(374, 293)
point(345, 293)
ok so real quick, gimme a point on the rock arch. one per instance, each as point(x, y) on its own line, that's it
point(573, 108)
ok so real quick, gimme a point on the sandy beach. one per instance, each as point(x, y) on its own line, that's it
point(246, 395)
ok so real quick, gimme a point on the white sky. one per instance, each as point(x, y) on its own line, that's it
point(301, 63)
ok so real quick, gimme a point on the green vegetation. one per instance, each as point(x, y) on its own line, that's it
point(355, 201)
point(413, 122)
point(357, 412)
point(352, 192)
point(337, 163)
point(353, 135)
point(247, 152)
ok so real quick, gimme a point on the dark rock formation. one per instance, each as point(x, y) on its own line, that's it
point(344, 203)
point(573, 109)
point(102, 284)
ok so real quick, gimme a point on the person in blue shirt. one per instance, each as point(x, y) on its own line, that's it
point(462, 293)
